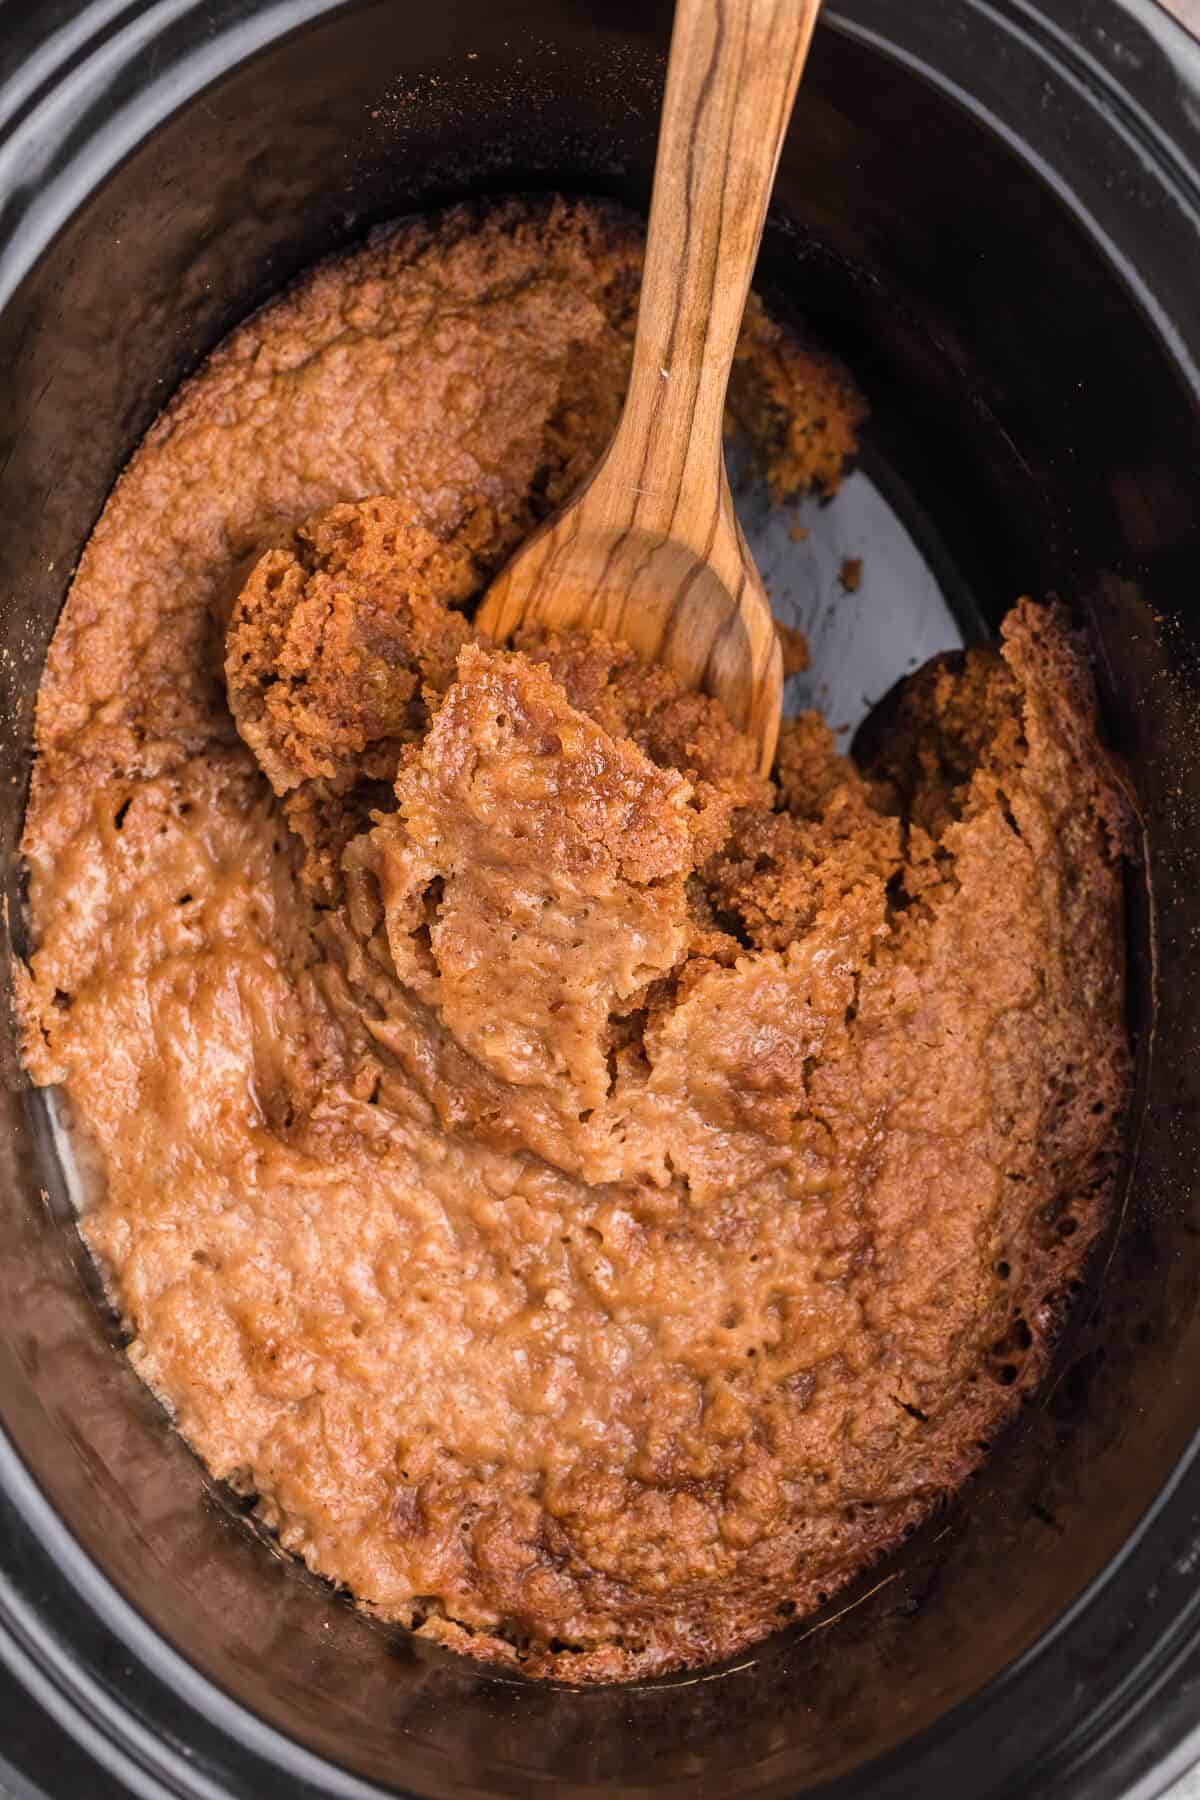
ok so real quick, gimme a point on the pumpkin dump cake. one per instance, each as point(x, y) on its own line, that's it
point(596, 1198)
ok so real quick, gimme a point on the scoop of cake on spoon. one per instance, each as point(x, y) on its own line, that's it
point(649, 550)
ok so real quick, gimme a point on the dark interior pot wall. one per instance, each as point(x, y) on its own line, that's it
point(1039, 399)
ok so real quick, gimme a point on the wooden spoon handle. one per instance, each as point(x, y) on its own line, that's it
point(732, 77)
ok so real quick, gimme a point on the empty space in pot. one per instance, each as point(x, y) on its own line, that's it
point(981, 324)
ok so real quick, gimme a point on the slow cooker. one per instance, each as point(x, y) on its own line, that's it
point(991, 210)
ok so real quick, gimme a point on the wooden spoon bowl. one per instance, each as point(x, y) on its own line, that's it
point(705, 617)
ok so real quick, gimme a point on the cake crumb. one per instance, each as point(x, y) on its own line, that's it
point(794, 648)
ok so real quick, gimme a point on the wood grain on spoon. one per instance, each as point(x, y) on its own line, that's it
point(649, 550)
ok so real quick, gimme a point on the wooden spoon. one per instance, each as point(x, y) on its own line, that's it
point(649, 550)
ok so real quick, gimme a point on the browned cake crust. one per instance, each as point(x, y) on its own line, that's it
point(596, 1198)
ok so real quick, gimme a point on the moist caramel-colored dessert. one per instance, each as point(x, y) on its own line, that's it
point(596, 1198)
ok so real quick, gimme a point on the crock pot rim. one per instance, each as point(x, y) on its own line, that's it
point(74, 56)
